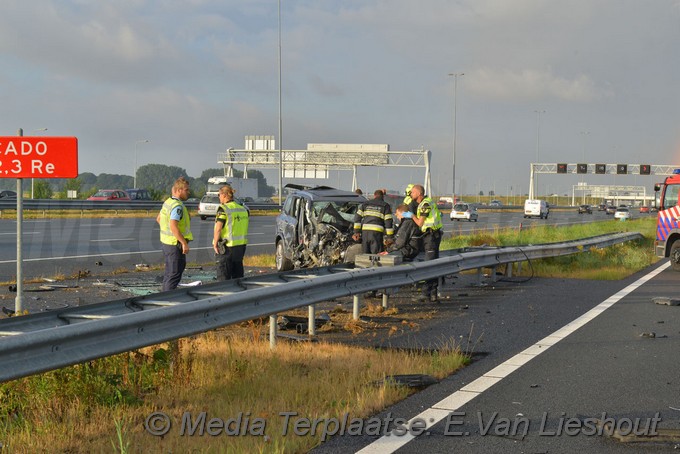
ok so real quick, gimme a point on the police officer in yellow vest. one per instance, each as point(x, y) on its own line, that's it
point(230, 235)
point(429, 219)
point(175, 233)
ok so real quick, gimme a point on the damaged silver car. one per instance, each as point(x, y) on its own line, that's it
point(315, 228)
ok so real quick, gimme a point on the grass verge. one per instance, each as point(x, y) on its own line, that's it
point(241, 381)
point(612, 263)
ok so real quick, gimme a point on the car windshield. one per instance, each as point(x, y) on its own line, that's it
point(210, 199)
point(460, 207)
point(339, 214)
point(103, 194)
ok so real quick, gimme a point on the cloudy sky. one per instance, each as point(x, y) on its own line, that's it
point(195, 76)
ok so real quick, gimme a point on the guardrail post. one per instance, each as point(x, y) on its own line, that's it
point(519, 267)
point(384, 299)
point(355, 309)
point(508, 269)
point(493, 273)
point(311, 325)
point(480, 274)
point(272, 331)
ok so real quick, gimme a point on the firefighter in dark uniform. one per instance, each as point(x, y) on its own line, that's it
point(429, 219)
point(372, 223)
point(407, 240)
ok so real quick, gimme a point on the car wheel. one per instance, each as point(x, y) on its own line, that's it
point(675, 255)
point(475, 219)
point(282, 262)
point(203, 218)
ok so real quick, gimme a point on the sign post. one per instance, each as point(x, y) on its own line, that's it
point(34, 157)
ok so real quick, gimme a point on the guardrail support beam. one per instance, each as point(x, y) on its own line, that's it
point(311, 320)
point(356, 306)
point(272, 331)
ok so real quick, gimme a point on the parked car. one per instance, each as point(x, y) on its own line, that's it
point(644, 209)
point(315, 228)
point(622, 214)
point(7, 194)
point(110, 194)
point(464, 211)
point(611, 209)
point(138, 194)
point(207, 207)
point(585, 209)
point(602, 207)
point(495, 203)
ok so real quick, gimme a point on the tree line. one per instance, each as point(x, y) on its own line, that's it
point(156, 178)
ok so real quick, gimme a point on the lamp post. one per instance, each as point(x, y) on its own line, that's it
point(538, 142)
point(455, 102)
point(280, 171)
point(32, 179)
point(583, 135)
point(135, 174)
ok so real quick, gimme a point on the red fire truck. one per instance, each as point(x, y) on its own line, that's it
point(668, 219)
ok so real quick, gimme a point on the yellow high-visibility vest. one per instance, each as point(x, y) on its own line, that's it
point(235, 228)
point(184, 224)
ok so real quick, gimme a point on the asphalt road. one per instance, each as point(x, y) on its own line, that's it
point(65, 246)
point(551, 355)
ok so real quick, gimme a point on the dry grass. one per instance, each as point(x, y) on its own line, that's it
point(217, 373)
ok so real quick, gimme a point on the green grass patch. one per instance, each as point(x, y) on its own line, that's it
point(611, 263)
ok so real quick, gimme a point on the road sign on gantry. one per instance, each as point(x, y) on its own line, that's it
point(38, 157)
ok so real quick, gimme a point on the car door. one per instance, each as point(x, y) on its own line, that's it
point(287, 223)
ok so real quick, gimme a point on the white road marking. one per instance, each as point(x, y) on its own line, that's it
point(113, 239)
point(442, 409)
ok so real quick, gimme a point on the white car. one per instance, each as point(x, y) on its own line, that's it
point(495, 203)
point(208, 205)
point(622, 214)
point(464, 211)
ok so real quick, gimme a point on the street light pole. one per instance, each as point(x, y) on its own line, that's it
point(538, 141)
point(280, 172)
point(455, 102)
point(584, 134)
point(134, 184)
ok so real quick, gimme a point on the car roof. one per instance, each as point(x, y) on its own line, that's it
point(325, 193)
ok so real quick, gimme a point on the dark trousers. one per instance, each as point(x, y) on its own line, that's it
point(431, 241)
point(371, 242)
point(175, 262)
point(230, 264)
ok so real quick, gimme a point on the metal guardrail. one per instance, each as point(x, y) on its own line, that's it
point(36, 343)
point(69, 204)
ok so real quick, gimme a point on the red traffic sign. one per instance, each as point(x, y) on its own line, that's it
point(38, 157)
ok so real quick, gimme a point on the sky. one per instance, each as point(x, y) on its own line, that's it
point(544, 81)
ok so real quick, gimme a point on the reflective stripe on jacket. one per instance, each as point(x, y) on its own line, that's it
point(235, 227)
point(184, 223)
point(376, 216)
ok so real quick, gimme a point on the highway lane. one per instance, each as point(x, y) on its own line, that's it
point(65, 246)
point(550, 352)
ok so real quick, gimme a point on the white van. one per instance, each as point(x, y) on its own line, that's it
point(536, 208)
